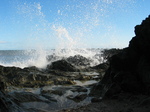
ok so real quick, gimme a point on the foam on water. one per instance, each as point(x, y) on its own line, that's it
point(24, 58)
point(38, 57)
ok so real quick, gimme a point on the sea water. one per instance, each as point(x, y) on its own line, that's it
point(68, 38)
point(39, 58)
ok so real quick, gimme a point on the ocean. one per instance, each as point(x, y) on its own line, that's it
point(39, 58)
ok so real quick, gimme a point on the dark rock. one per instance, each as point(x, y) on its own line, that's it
point(95, 100)
point(3, 104)
point(79, 60)
point(145, 102)
point(78, 98)
point(113, 89)
point(130, 68)
point(63, 81)
point(79, 89)
point(56, 91)
point(2, 86)
point(62, 65)
point(8, 105)
point(52, 58)
point(21, 97)
point(102, 67)
point(107, 53)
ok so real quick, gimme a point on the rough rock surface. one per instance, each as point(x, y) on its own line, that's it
point(62, 65)
point(129, 70)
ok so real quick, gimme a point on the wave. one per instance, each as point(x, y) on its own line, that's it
point(40, 57)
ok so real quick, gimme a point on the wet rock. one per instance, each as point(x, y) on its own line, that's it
point(2, 86)
point(78, 98)
point(8, 105)
point(28, 77)
point(62, 65)
point(52, 58)
point(79, 89)
point(49, 97)
point(64, 81)
point(79, 60)
point(22, 97)
point(56, 91)
point(94, 100)
point(3, 104)
point(84, 77)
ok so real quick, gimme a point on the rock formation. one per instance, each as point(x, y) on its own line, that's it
point(129, 70)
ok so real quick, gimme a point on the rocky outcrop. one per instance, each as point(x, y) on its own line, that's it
point(129, 70)
point(62, 65)
point(79, 60)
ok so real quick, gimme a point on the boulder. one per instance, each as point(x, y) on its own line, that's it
point(62, 65)
point(78, 60)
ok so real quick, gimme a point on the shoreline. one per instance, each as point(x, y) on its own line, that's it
point(123, 102)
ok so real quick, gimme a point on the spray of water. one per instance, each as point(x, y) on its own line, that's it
point(75, 22)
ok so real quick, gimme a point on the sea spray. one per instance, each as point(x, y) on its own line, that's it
point(24, 58)
point(69, 28)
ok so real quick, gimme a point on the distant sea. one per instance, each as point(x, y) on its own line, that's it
point(38, 58)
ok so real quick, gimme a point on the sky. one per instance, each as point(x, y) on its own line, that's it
point(49, 24)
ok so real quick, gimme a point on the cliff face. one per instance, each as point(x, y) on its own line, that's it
point(130, 70)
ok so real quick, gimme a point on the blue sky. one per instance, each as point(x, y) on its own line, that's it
point(31, 24)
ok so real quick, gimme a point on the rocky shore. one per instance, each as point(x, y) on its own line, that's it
point(64, 83)
point(121, 84)
point(125, 86)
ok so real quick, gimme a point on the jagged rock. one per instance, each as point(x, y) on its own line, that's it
point(130, 68)
point(52, 58)
point(79, 89)
point(102, 67)
point(108, 53)
point(8, 105)
point(78, 98)
point(62, 65)
point(78, 60)
point(63, 81)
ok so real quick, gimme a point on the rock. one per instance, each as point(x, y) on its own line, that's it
point(56, 91)
point(21, 97)
point(145, 102)
point(52, 58)
point(130, 68)
point(2, 86)
point(64, 81)
point(3, 104)
point(62, 65)
point(113, 89)
point(78, 60)
point(107, 53)
point(8, 105)
point(101, 67)
point(94, 100)
point(78, 98)
point(79, 89)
